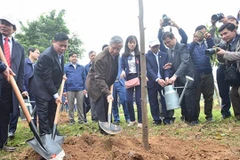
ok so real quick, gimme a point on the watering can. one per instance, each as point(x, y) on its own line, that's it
point(171, 96)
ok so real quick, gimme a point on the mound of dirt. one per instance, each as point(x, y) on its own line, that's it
point(119, 147)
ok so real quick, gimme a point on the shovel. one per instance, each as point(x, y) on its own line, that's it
point(57, 138)
point(108, 127)
point(46, 148)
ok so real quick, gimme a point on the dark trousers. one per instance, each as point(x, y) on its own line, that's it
point(206, 87)
point(235, 98)
point(223, 90)
point(189, 105)
point(153, 97)
point(6, 106)
point(86, 106)
point(119, 93)
point(101, 108)
point(13, 121)
point(46, 113)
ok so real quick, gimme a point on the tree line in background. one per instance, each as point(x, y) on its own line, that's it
point(39, 33)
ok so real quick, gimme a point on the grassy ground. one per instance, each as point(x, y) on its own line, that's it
point(225, 131)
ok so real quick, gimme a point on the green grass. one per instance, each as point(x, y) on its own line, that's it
point(226, 131)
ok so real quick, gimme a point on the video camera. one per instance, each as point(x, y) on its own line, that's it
point(217, 17)
point(211, 51)
point(166, 20)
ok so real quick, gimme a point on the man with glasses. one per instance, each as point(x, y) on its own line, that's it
point(102, 75)
point(181, 66)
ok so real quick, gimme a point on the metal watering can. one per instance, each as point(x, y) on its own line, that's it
point(171, 96)
point(29, 107)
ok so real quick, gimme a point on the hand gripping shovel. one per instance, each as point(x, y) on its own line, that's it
point(108, 127)
point(52, 149)
point(57, 138)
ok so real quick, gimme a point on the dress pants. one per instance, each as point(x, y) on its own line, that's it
point(206, 87)
point(153, 97)
point(235, 98)
point(6, 106)
point(224, 89)
point(46, 113)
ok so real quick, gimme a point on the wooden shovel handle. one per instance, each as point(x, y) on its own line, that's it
point(110, 102)
point(16, 90)
point(59, 104)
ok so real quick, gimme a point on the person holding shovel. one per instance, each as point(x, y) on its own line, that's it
point(101, 76)
point(14, 55)
point(48, 75)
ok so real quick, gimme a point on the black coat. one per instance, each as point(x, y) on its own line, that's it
point(48, 74)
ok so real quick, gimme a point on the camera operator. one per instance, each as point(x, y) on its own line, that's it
point(167, 21)
point(201, 41)
point(222, 85)
point(231, 56)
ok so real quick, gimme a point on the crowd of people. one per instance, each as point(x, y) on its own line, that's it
point(168, 62)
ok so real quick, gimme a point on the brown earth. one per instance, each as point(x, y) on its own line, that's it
point(125, 146)
point(120, 147)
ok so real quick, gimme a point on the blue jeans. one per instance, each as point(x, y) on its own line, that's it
point(119, 93)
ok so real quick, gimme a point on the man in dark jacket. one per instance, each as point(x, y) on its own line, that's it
point(102, 75)
point(181, 65)
point(48, 75)
point(8, 101)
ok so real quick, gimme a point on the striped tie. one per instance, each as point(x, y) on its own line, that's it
point(7, 51)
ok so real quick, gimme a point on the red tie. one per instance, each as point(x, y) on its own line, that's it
point(7, 51)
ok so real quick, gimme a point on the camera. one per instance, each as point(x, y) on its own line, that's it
point(217, 17)
point(166, 20)
point(211, 51)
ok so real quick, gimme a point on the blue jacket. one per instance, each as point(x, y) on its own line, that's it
point(75, 77)
point(152, 67)
point(28, 73)
point(200, 59)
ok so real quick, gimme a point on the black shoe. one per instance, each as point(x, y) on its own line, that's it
point(168, 121)
point(8, 149)
point(11, 135)
point(193, 123)
point(157, 123)
point(182, 118)
point(225, 116)
point(210, 119)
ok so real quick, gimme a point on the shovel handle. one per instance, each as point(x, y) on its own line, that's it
point(16, 90)
point(59, 104)
point(110, 106)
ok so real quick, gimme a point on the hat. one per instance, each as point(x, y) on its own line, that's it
point(8, 18)
point(154, 42)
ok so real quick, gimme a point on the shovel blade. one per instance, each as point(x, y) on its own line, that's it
point(52, 148)
point(110, 129)
point(59, 139)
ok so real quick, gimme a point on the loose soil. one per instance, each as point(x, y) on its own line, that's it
point(127, 146)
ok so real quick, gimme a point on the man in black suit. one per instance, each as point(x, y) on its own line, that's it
point(48, 75)
point(155, 60)
point(181, 65)
point(8, 101)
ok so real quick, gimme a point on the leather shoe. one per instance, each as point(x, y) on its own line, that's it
point(11, 135)
point(8, 149)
